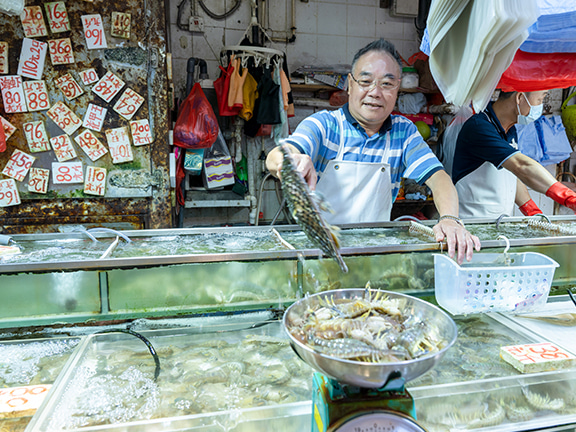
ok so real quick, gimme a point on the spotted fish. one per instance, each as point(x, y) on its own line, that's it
point(305, 210)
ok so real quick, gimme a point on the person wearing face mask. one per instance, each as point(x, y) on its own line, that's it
point(489, 171)
point(357, 155)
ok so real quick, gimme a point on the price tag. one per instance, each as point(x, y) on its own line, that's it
point(69, 86)
point(9, 128)
point(18, 165)
point(537, 353)
point(95, 183)
point(67, 172)
point(57, 16)
point(32, 58)
point(119, 144)
point(94, 117)
point(9, 195)
point(38, 180)
point(36, 136)
point(61, 51)
point(128, 103)
point(36, 95)
point(63, 148)
point(94, 31)
point(141, 134)
point(12, 94)
point(88, 76)
point(108, 86)
point(120, 25)
point(64, 117)
point(91, 145)
point(3, 58)
point(33, 22)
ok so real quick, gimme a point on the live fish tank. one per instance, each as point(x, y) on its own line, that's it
point(98, 274)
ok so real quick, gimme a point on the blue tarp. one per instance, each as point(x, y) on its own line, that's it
point(544, 140)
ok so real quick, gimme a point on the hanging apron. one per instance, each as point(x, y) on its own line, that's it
point(356, 191)
point(487, 191)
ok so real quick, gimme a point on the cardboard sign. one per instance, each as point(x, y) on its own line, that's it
point(9, 195)
point(18, 165)
point(64, 118)
point(38, 180)
point(94, 117)
point(57, 16)
point(67, 172)
point(13, 94)
point(32, 58)
point(88, 76)
point(61, 51)
point(69, 86)
point(91, 145)
point(3, 58)
point(108, 86)
point(128, 103)
point(119, 144)
point(95, 183)
point(8, 127)
point(33, 22)
point(63, 148)
point(36, 95)
point(537, 357)
point(120, 25)
point(36, 136)
point(141, 134)
point(94, 31)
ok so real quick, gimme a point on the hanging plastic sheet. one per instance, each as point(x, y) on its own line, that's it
point(544, 140)
point(555, 30)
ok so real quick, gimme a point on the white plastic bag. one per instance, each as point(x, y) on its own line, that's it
point(218, 169)
point(448, 145)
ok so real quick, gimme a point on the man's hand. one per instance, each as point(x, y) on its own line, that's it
point(303, 164)
point(457, 237)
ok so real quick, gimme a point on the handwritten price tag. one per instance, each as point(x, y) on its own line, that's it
point(3, 58)
point(36, 95)
point(94, 31)
point(12, 94)
point(108, 86)
point(9, 128)
point(141, 134)
point(63, 148)
point(18, 165)
point(57, 16)
point(94, 117)
point(64, 118)
point(69, 86)
point(61, 51)
point(38, 180)
point(9, 195)
point(128, 103)
point(91, 145)
point(36, 136)
point(32, 58)
point(33, 22)
point(67, 172)
point(88, 76)
point(95, 183)
point(120, 25)
point(119, 144)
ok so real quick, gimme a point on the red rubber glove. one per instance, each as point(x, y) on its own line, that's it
point(529, 208)
point(562, 195)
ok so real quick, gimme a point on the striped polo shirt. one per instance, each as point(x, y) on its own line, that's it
point(408, 155)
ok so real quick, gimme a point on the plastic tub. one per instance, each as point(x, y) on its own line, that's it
point(493, 282)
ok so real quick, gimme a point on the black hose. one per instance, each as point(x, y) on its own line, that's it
point(143, 339)
point(224, 15)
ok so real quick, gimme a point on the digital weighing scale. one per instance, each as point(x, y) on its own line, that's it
point(354, 396)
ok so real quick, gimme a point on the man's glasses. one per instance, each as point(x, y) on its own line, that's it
point(386, 84)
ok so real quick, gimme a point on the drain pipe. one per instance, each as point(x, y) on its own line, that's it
point(5, 240)
point(251, 182)
point(190, 69)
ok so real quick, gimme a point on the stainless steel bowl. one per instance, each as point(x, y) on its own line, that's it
point(364, 374)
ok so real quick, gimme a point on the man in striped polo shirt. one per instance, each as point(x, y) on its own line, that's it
point(356, 156)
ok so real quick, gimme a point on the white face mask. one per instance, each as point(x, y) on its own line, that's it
point(534, 114)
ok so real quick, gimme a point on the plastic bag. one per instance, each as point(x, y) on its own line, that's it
point(196, 126)
point(411, 103)
point(218, 169)
point(448, 144)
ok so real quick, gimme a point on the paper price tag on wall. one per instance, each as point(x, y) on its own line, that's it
point(91, 145)
point(119, 144)
point(108, 86)
point(32, 58)
point(88, 76)
point(13, 94)
point(3, 58)
point(38, 180)
point(128, 103)
point(67, 172)
point(94, 31)
point(9, 195)
point(18, 165)
point(57, 16)
point(36, 136)
point(141, 134)
point(61, 51)
point(63, 148)
point(36, 95)
point(8, 127)
point(64, 117)
point(69, 86)
point(94, 117)
point(33, 22)
point(95, 182)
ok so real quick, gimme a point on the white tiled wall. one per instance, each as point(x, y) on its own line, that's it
point(328, 32)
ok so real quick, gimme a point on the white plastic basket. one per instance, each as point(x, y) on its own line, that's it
point(493, 282)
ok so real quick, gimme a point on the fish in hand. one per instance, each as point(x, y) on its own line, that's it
point(305, 209)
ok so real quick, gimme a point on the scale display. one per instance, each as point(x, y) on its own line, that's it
point(378, 422)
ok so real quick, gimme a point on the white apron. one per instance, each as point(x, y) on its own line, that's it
point(356, 191)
